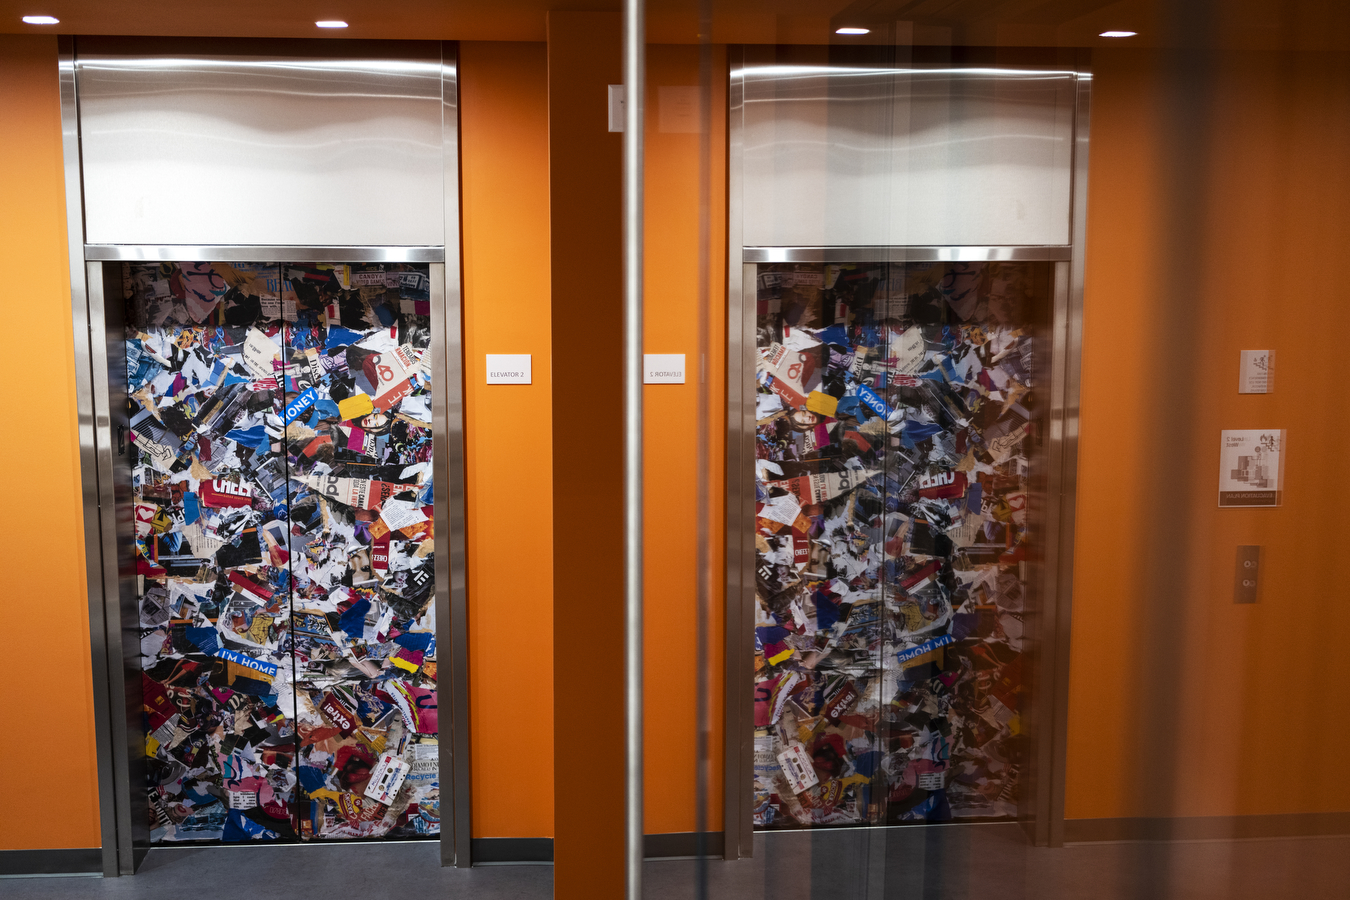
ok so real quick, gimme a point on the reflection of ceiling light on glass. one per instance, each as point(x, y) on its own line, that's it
point(852, 30)
point(41, 20)
point(844, 71)
point(1118, 34)
point(331, 23)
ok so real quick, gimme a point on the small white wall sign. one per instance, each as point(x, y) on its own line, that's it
point(508, 368)
point(663, 368)
point(616, 99)
point(1258, 372)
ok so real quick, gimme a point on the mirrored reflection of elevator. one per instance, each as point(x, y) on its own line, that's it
point(906, 235)
point(265, 281)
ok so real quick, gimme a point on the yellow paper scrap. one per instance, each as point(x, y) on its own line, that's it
point(822, 403)
point(355, 406)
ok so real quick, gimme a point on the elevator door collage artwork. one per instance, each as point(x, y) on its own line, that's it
point(281, 450)
point(899, 410)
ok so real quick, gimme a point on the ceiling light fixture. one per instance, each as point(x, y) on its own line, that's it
point(331, 23)
point(1118, 34)
point(852, 31)
point(41, 20)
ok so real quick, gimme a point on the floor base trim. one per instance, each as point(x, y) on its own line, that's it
point(537, 851)
point(511, 851)
point(1200, 828)
point(486, 851)
point(74, 861)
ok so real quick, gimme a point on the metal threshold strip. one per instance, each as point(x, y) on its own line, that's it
point(261, 253)
point(900, 253)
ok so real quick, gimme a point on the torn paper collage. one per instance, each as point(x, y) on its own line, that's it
point(898, 415)
point(281, 452)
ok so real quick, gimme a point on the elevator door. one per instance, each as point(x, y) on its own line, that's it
point(899, 426)
point(281, 452)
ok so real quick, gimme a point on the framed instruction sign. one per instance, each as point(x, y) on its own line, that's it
point(1251, 467)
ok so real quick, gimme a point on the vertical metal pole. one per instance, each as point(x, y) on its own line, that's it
point(703, 589)
point(634, 58)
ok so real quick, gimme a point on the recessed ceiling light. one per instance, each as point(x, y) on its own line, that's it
point(41, 20)
point(852, 31)
point(331, 23)
point(1118, 34)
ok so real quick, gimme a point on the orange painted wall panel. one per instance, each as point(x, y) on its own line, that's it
point(505, 214)
point(42, 591)
point(671, 322)
point(1217, 223)
point(1270, 224)
point(1111, 519)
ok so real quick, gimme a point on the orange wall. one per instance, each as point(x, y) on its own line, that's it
point(1270, 202)
point(42, 596)
point(1181, 702)
point(506, 284)
point(505, 175)
point(504, 160)
point(671, 418)
point(1245, 700)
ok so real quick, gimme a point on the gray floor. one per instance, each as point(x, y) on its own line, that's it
point(995, 862)
point(912, 864)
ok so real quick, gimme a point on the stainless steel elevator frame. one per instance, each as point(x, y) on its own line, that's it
point(117, 713)
point(1042, 807)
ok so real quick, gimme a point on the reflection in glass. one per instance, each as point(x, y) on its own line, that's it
point(898, 413)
